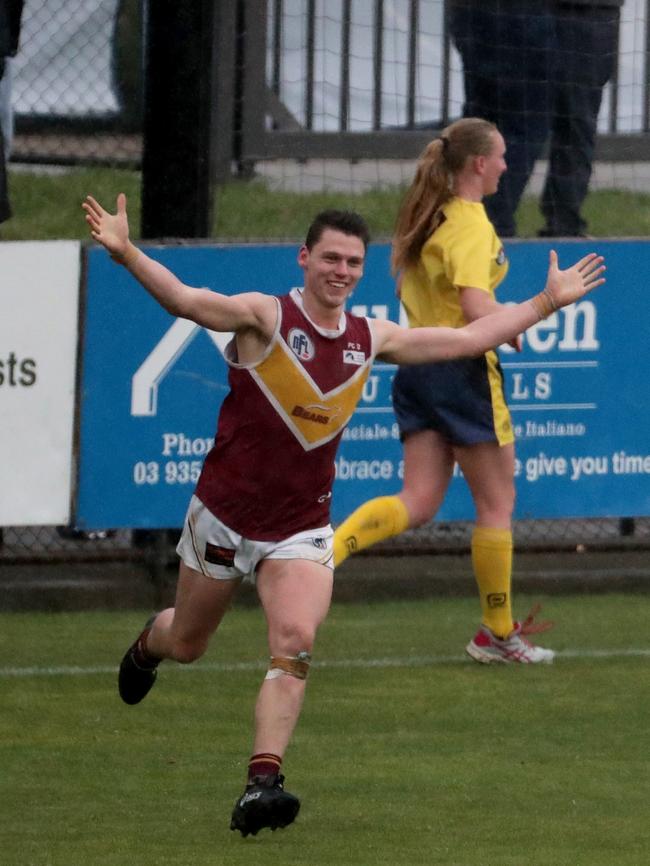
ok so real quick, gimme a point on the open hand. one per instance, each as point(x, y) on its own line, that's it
point(565, 287)
point(110, 230)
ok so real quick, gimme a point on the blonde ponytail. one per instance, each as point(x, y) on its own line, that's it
point(432, 185)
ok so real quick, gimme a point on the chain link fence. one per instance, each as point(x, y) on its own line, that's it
point(156, 549)
point(78, 79)
point(77, 93)
point(77, 83)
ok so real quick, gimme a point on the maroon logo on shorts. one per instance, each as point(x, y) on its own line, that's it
point(219, 555)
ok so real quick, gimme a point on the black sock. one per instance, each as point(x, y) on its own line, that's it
point(141, 657)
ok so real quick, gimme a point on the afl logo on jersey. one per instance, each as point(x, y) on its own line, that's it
point(501, 257)
point(301, 344)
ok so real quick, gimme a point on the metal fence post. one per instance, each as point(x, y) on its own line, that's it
point(252, 95)
point(179, 119)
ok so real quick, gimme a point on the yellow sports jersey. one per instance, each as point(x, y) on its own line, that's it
point(463, 251)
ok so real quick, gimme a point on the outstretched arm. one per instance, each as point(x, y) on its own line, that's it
point(422, 345)
point(210, 309)
point(476, 303)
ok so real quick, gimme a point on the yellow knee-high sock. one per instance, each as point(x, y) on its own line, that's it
point(372, 522)
point(492, 562)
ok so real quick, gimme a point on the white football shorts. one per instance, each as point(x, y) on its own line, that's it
point(209, 546)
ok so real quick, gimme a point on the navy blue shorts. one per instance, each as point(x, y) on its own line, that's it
point(462, 400)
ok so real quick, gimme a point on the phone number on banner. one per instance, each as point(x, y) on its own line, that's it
point(170, 472)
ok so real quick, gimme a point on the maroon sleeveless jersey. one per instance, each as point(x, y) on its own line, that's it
point(271, 469)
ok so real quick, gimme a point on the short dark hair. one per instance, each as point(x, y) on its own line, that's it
point(347, 221)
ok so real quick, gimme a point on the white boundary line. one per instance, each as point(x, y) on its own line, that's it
point(231, 667)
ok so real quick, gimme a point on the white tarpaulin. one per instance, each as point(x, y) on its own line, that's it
point(63, 66)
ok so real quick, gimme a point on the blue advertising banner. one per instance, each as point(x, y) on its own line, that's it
point(579, 391)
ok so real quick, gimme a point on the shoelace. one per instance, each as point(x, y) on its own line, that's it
point(528, 626)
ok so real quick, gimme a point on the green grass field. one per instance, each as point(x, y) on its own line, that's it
point(49, 207)
point(406, 752)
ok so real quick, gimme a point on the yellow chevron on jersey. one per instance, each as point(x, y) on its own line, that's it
point(312, 416)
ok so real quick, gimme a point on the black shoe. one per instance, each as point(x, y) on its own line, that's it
point(135, 680)
point(264, 803)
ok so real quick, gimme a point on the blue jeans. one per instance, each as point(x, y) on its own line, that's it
point(536, 68)
point(587, 38)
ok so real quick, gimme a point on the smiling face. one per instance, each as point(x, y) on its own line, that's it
point(333, 267)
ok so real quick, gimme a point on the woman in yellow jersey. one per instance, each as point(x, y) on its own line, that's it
point(450, 261)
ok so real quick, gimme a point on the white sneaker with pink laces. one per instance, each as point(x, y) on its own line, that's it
point(486, 647)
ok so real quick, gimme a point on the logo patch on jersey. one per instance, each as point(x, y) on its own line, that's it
point(301, 344)
point(352, 357)
point(501, 257)
point(316, 412)
point(219, 555)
